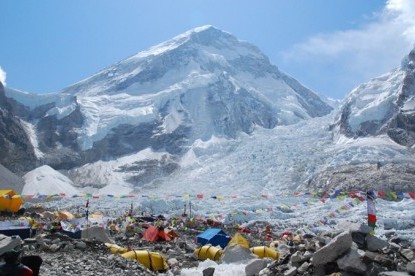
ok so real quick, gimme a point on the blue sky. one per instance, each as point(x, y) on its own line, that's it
point(328, 45)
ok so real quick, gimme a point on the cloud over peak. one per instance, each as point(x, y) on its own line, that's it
point(2, 76)
point(371, 49)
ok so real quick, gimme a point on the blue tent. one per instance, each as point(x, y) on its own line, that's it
point(213, 236)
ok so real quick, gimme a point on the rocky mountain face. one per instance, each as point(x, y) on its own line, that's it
point(383, 110)
point(383, 106)
point(200, 84)
point(17, 153)
point(401, 127)
point(9, 180)
point(163, 110)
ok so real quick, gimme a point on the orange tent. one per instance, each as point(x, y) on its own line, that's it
point(171, 233)
point(10, 201)
point(154, 233)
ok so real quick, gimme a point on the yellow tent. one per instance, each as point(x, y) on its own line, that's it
point(116, 248)
point(240, 240)
point(208, 252)
point(10, 201)
point(152, 260)
point(265, 252)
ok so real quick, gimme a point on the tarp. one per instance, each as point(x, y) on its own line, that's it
point(10, 201)
point(240, 240)
point(213, 236)
point(152, 260)
point(154, 233)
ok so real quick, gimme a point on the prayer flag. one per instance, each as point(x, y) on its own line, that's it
point(371, 210)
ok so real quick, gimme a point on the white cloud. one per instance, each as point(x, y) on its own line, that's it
point(2, 76)
point(372, 49)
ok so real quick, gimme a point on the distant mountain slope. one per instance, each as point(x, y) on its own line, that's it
point(202, 84)
point(9, 180)
point(374, 135)
point(207, 112)
point(383, 106)
point(17, 153)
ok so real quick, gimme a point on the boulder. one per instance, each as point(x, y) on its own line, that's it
point(209, 271)
point(8, 243)
point(410, 268)
point(335, 248)
point(255, 266)
point(374, 243)
point(237, 254)
point(351, 262)
point(291, 272)
point(354, 227)
point(378, 258)
point(303, 268)
point(409, 254)
point(96, 233)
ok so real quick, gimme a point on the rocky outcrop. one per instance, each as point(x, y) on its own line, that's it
point(384, 105)
point(17, 153)
point(385, 177)
point(345, 254)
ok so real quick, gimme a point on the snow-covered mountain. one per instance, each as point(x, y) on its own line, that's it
point(383, 106)
point(17, 153)
point(204, 82)
point(157, 104)
point(205, 111)
point(374, 132)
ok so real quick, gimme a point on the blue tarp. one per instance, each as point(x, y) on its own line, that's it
point(213, 236)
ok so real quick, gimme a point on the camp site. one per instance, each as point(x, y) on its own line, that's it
point(187, 236)
point(207, 138)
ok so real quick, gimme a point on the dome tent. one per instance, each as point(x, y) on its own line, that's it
point(10, 201)
point(213, 236)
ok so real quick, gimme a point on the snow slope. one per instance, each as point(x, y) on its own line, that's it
point(46, 181)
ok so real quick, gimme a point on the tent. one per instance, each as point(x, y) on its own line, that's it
point(213, 236)
point(154, 233)
point(152, 260)
point(208, 252)
point(114, 248)
point(240, 240)
point(171, 233)
point(10, 201)
point(265, 252)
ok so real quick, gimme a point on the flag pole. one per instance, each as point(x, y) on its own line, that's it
point(86, 216)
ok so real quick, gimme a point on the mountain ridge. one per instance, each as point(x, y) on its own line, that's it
point(197, 104)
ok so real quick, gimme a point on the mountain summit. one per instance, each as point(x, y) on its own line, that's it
point(205, 80)
point(155, 105)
